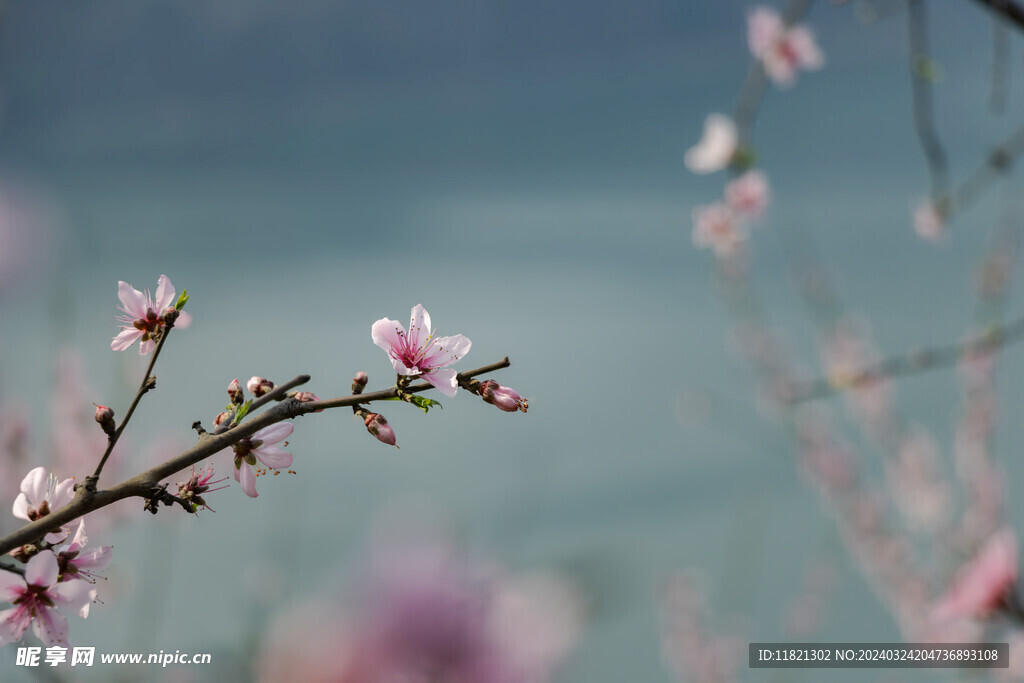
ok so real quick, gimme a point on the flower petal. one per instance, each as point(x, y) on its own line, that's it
point(274, 432)
point(13, 623)
point(164, 293)
point(447, 351)
point(146, 346)
point(76, 596)
point(62, 494)
point(133, 301)
point(34, 486)
point(247, 478)
point(444, 380)
point(20, 508)
point(50, 626)
point(387, 333)
point(125, 338)
point(272, 456)
point(419, 327)
point(183, 321)
point(12, 586)
point(42, 569)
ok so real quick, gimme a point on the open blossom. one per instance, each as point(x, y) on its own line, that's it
point(41, 494)
point(144, 316)
point(716, 147)
point(199, 483)
point(35, 599)
point(748, 195)
point(782, 50)
point(260, 447)
point(76, 562)
point(717, 226)
point(983, 583)
point(419, 352)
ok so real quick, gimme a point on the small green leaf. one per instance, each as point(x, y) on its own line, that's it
point(424, 402)
point(928, 70)
point(242, 412)
point(182, 300)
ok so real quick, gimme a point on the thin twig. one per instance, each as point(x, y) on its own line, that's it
point(921, 90)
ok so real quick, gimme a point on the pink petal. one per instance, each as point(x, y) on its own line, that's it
point(12, 586)
point(387, 334)
point(62, 494)
point(274, 433)
point(764, 30)
point(75, 596)
point(50, 626)
point(419, 327)
point(20, 508)
point(133, 301)
point(125, 338)
point(34, 486)
point(444, 380)
point(247, 478)
point(164, 293)
point(13, 623)
point(80, 540)
point(447, 351)
point(95, 560)
point(801, 41)
point(183, 321)
point(272, 456)
point(42, 569)
point(146, 346)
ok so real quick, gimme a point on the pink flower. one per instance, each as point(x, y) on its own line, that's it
point(198, 484)
point(419, 352)
point(982, 584)
point(502, 397)
point(716, 147)
point(40, 495)
point(259, 447)
point(782, 50)
point(143, 316)
point(748, 195)
point(35, 598)
point(717, 226)
point(929, 223)
point(77, 563)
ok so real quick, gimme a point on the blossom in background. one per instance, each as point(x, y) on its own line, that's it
point(716, 148)
point(982, 584)
point(35, 599)
point(782, 50)
point(77, 563)
point(419, 352)
point(717, 226)
point(260, 447)
point(929, 224)
point(748, 195)
point(143, 315)
point(41, 494)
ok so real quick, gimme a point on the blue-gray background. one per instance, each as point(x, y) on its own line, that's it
point(305, 168)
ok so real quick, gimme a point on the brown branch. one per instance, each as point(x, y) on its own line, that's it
point(147, 484)
point(1008, 10)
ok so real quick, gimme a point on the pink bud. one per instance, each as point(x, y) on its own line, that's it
point(379, 427)
point(105, 418)
point(359, 382)
point(223, 417)
point(258, 386)
point(306, 397)
point(502, 397)
point(235, 392)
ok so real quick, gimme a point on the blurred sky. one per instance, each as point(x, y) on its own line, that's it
point(306, 168)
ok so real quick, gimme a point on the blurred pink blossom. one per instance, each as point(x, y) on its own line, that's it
point(716, 147)
point(782, 50)
point(717, 226)
point(982, 584)
point(929, 224)
point(749, 195)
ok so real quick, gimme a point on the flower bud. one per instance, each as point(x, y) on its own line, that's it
point(105, 418)
point(501, 397)
point(379, 427)
point(223, 417)
point(359, 382)
point(306, 397)
point(235, 392)
point(258, 386)
point(169, 315)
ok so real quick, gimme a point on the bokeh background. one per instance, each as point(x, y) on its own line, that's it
point(306, 168)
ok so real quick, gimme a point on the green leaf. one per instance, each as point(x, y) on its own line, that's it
point(424, 402)
point(242, 412)
point(182, 300)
